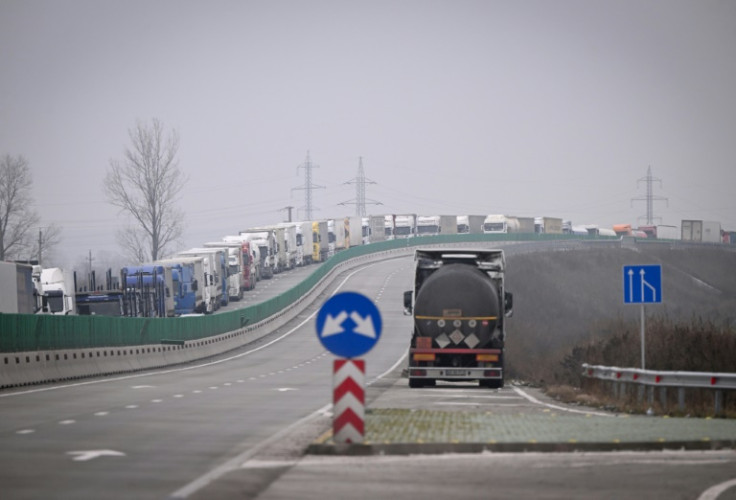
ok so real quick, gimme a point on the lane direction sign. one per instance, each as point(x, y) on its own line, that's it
point(349, 324)
point(642, 284)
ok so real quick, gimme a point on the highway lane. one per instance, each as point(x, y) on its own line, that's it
point(148, 435)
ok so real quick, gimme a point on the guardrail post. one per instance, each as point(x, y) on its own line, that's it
point(681, 398)
point(663, 397)
point(640, 394)
point(718, 402)
point(650, 395)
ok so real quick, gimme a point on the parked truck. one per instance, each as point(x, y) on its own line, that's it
point(377, 228)
point(448, 224)
point(366, 229)
point(321, 241)
point(428, 225)
point(237, 265)
point(191, 294)
point(459, 305)
point(98, 299)
point(147, 291)
point(701, 231)
point(405, 226)
point(353, 231)
point(548, 225)
point(290, 251)
point(18, 290)
point(215, 278)
point(470, 224)
point(55, 291)
point(304, 243)
point(251, 262)
point(500, 224)
point(266, 243)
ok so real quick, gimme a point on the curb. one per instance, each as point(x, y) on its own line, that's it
point(444, 448)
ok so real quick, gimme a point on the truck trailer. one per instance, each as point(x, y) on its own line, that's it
point(18, 290)
point(459, 305)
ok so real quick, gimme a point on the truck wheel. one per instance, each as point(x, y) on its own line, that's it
point(491, 384)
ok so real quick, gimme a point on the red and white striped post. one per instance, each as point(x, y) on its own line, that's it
point(348, 382)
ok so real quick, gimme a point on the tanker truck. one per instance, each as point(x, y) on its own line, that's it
point(459, 306)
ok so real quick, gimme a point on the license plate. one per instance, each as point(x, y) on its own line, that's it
point(451, 373)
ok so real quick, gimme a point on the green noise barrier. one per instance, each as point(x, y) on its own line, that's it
point(40, 332)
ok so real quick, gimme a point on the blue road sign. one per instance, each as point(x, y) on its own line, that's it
point(349, 324)
point(642, 284)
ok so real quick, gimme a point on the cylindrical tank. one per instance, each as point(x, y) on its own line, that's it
point(459, 301)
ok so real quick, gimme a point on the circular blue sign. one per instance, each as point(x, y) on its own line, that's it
point(349, 324)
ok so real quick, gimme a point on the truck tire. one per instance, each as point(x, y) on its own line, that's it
point(416, 383)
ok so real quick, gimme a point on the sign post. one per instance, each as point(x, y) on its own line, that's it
point(642, 285)
point(348, 325)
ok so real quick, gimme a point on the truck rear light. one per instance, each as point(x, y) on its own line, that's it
point(424, 342)
point(492, 373)
point(486, 357)
point(424, 357)
point(418, 373)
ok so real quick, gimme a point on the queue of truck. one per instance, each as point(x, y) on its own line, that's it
point(201, 280)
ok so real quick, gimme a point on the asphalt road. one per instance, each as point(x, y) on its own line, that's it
point(170, 432)
point(236, 426)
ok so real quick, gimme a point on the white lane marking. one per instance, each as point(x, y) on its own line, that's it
point(187, 368)
point(557, 407)
point(67, 422)
point(460, 403)
point(715, 491)
point(131, 407)
point(178, 395)
point(25, 431)
point(83, 456)
point(142, 387)
point(286, 389)
point(102, 413)
point(156, 400)
point(241, 460)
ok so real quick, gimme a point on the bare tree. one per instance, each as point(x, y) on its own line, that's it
point(17, 218)
point(145, 185)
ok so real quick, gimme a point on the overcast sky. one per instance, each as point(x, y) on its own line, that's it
point(528, 108)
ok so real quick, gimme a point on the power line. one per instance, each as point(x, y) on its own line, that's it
point(308, 186)
point(650, 198)
point(360, 200)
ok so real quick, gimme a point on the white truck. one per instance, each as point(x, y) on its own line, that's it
point(353, 231)
point(266, 242)
point(55, 290)
point(547, 225)
point(448, 224)
point(366, 229)
point(405, 226)
point(215, 291)
point(290, 250)
point(236, 282)
point(427, 225)
point(389, 226)
point(18, 290)
point(304, 243)
point(500, 224)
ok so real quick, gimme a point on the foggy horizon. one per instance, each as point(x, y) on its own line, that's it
point(473, 107)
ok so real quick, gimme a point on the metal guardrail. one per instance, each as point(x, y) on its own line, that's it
point(653, 379)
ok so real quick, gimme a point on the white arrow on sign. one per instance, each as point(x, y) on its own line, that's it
point(333, 326)
point(83, 456)
point(363, 326)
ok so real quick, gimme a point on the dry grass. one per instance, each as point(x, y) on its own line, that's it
point(568, 310)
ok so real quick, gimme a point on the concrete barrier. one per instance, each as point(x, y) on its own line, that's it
point(24, 368)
